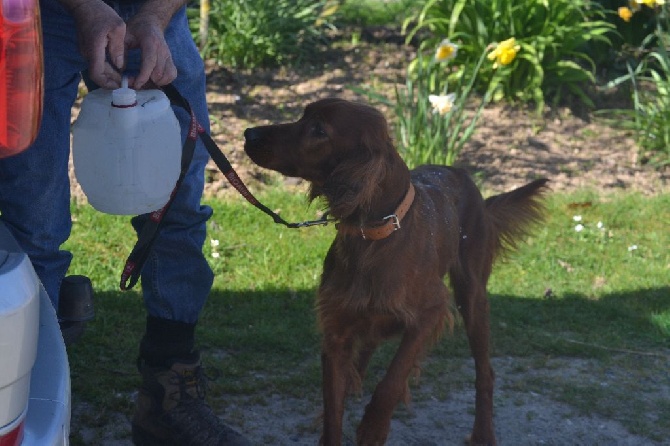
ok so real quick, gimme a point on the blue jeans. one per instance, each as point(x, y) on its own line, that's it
point(35, 190)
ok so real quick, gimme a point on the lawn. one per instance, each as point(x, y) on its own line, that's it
point(590, 285)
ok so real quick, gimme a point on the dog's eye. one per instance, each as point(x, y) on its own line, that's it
point(318, 131)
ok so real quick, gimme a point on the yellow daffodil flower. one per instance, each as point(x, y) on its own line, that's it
point(442, 104)
point(445, 51)
point(504, 53)
point(651, 3)
point(329, 9)
point(625, 13)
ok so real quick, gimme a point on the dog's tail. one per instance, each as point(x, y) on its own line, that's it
point(514, 213)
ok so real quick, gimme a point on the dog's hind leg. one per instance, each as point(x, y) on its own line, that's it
point(376, 422)
point(470, 294)
point(364, 355)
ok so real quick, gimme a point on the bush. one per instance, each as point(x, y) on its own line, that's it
point(433, 121)
point(552, 35)
point(253, 33)
point(374, 12)
point(649, 77)
point(633, 32)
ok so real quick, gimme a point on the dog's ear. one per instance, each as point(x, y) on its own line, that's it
point(362, 169)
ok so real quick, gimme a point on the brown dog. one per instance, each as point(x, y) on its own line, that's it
point(398, 234)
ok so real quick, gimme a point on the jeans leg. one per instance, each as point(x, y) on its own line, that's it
point(34, 185)
point(177, 279)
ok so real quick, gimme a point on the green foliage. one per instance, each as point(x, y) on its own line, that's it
point(425, 135)
point(632, 33)
point(649, 77)
point(373, 12)
point(651, 116)
point(434, 118)
point(553, 36)
point(253, 33)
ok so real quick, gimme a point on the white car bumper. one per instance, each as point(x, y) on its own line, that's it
point(34, 371)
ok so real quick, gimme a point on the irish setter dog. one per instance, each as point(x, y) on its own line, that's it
point(399, 233)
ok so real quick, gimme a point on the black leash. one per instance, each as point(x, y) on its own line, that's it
point(147, 235)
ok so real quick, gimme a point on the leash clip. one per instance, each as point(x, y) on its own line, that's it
point(324, 220)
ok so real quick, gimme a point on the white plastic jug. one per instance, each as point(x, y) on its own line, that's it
point(126, 148)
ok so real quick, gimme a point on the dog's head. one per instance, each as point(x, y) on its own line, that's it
point(342, 148)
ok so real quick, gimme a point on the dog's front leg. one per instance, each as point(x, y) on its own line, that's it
point(376, 423)
point(336, 366)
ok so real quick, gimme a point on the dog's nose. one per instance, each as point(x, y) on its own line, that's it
point(252, 134)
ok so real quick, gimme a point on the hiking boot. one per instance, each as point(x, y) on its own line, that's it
point(75, 307)
point(171, 409)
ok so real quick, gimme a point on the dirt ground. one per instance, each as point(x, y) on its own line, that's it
point(509, 147)
point(528, 408)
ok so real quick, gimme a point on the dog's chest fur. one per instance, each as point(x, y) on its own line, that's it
point(364, 278)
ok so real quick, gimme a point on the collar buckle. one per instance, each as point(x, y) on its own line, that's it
point(395, 221)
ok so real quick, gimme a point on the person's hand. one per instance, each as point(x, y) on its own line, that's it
point(145, 31)
point(102, 36)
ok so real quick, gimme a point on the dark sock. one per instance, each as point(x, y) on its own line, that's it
point(166, 341)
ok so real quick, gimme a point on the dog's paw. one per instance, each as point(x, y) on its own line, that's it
point(469, 442)
point(371, 437)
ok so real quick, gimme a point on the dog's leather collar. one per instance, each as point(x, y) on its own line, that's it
point(389, 224)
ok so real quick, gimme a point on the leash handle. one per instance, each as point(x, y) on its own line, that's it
point(147, 235)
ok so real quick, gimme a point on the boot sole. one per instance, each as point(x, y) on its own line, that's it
point(142, 437)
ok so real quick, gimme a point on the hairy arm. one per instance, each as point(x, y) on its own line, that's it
point(146, 30)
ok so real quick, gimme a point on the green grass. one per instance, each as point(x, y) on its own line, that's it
point(258, 328)
point(609, 281)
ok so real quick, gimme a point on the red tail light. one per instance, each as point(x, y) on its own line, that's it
point(21, 74)
point(13, 437)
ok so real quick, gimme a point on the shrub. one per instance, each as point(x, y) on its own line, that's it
point(552, 35)
point(252, 33)
point(433, 120)
point(434, 115)
point(631, 32)
point(649, 76)
point(373, 12)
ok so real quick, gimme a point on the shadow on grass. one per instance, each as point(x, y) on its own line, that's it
point(637, 320)
point(269, 339)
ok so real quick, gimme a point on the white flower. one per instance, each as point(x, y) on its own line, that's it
point(213, 243)
point(632, 248)
point(442, 104)
point(216, 255)
point(445, 51)
point(579, 228)
point(577, 218)
point(600, 225)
